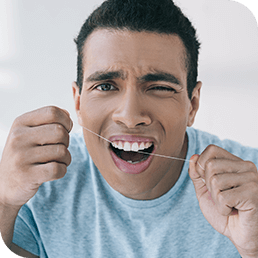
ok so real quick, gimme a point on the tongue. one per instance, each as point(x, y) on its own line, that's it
point(130, 155)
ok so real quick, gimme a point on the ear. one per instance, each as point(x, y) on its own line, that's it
point(194, 105)
point(77, 100)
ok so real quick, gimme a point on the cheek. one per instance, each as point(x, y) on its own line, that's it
point(93, 117)
point(91, 111)
point(174, 122)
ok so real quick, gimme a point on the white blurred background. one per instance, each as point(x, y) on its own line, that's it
point(38, 61)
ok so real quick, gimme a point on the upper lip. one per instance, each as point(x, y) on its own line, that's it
point(131, 138)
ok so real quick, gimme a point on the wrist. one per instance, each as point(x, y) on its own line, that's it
point(249, 254)
point(6, 208)
point(8, 216)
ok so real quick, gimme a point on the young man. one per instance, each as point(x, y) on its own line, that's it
point(129, 194)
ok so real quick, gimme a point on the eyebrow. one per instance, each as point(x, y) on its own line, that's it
point(120, 74)
point(104, 75)
point(160, 76)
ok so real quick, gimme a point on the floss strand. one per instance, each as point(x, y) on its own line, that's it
point(153, 154)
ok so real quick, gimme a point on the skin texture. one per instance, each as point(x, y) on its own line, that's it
point(133, 106)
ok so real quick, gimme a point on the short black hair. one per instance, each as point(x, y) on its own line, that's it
point(158, 16)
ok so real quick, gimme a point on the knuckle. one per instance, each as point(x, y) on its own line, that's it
point(215, 182)
point(60, 131)
point(57, 129)
point(69, 158)
point(221, 198)
point(52, 113)
point(252, 167)
point(61, 150)
point(16, 137)
point(18, 120)
point(211, 148)
point(58, 170)
point(210, 165)
point(16, 134)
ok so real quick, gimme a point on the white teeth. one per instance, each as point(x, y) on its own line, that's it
point(120, 145)
point(142, 146)
point(129, 161)
point(127, 146)
point(147, 145)
point(135, 146)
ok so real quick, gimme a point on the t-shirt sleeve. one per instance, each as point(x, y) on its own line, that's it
point(26, 233)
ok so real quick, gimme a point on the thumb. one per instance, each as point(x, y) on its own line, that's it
point(198, 181)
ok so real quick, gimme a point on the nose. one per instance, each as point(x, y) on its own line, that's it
point(132, 111)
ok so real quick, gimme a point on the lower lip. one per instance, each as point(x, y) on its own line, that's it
point(131, 168)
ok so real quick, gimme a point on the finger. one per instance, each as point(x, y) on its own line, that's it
point(48, 172)
point(46, 115)
point(213, 152)
point(243, 198)
point(49, 153)
point(198, 181)
point(222, 166)
point(226, 181)
point(49, 134)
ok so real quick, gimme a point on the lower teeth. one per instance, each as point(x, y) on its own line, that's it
point(129, 161)
point(136, 162)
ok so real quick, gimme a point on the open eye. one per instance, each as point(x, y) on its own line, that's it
point(105, 87)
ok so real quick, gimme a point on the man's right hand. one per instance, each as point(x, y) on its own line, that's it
point(35, 152)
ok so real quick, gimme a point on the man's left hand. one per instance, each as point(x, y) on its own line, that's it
point(227, 190)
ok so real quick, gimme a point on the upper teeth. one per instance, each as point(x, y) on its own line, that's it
point(131, 146)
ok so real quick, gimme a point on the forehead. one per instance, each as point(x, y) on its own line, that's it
point(135, 51)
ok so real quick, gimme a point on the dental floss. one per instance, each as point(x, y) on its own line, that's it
point(200, 166)
point(153, 154)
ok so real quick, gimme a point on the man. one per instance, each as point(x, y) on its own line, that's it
point(136, 88)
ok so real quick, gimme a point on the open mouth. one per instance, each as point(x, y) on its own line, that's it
point(133, 153)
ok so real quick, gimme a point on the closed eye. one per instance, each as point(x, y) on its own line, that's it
point(105, 87)
point(162, 88)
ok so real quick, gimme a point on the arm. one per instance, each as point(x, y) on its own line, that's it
point(7, 220)
point(19, 251)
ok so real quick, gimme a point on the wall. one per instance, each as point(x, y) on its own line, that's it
point(38, 61)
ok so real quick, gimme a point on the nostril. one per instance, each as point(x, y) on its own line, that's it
point(142, 123)
point(131, 114)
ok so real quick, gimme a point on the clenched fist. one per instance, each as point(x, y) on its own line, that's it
point(35, 152)
point(227, 189)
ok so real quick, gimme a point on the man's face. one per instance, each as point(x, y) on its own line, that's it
point(135, 95)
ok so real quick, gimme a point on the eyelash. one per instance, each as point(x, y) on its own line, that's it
point(162, 88)
point(105, 84)
point(159, 88)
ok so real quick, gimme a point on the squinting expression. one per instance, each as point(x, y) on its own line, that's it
point(135, 94)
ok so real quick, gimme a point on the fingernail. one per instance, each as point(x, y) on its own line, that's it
point(195, 155)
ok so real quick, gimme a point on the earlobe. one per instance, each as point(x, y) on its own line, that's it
point(195, 102)
point(77, 99)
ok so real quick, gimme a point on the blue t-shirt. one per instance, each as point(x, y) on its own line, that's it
point(80, 215)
